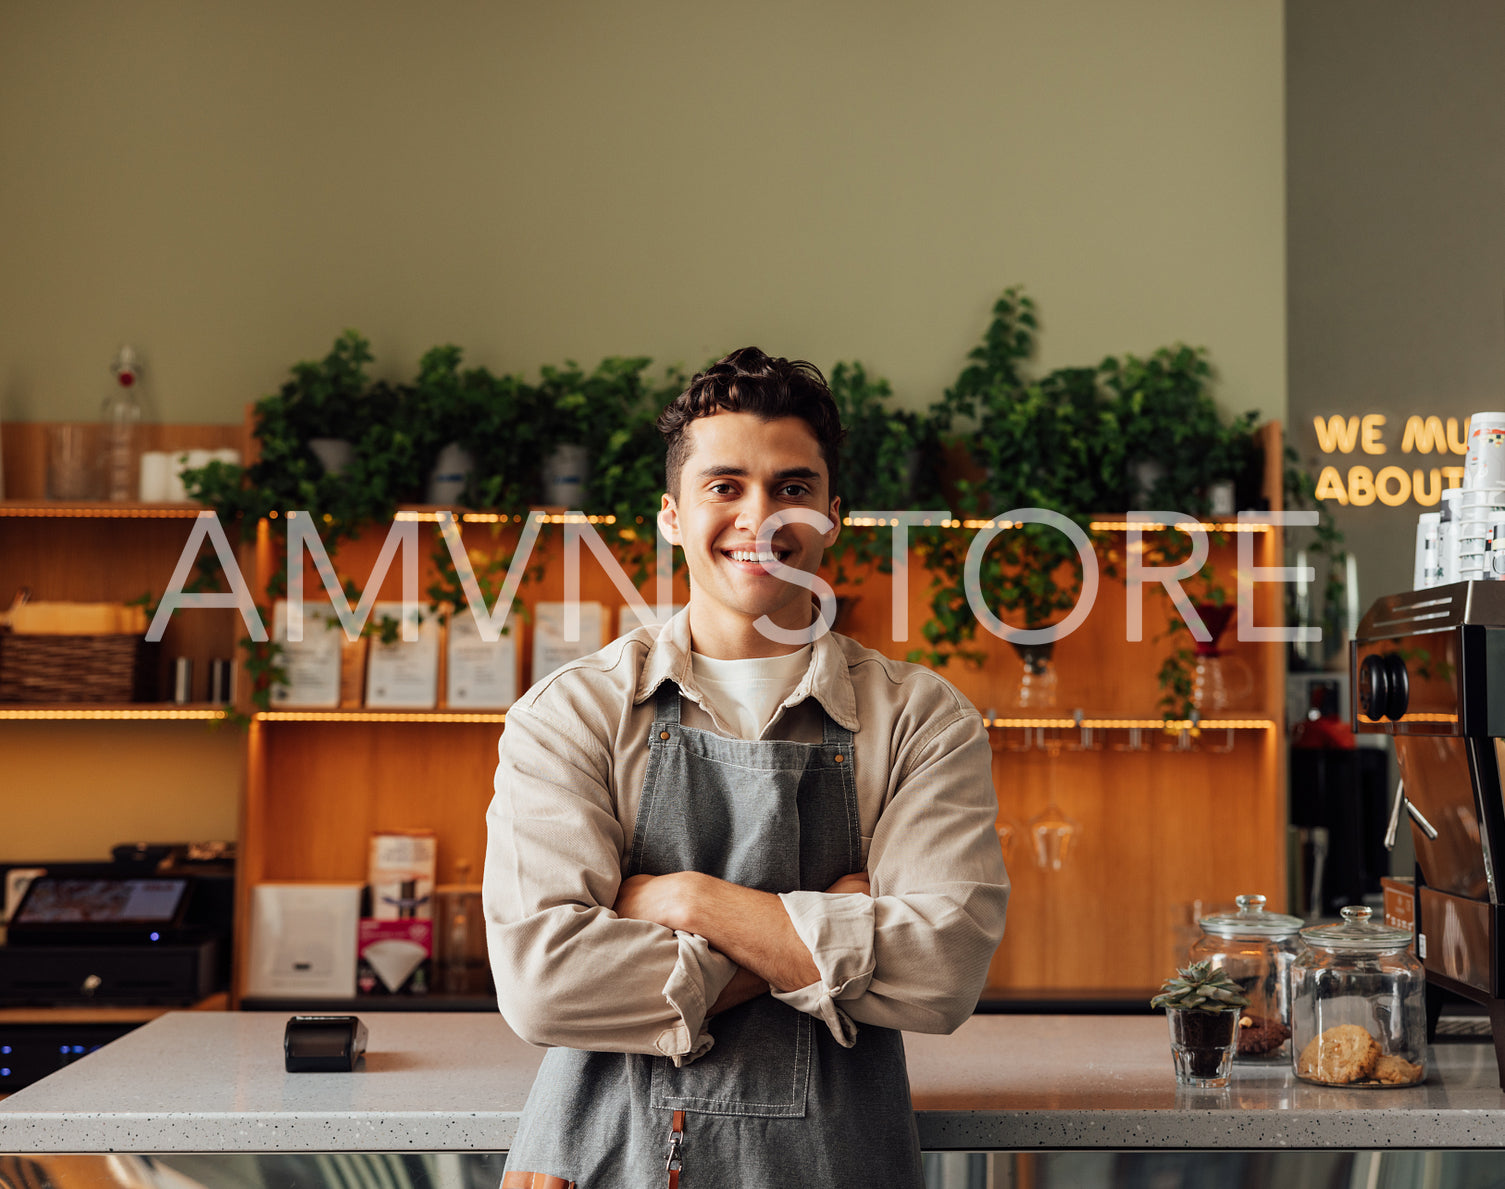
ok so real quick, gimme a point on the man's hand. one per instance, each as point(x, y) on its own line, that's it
point(848, 884)
point(748, 926)
point(656, 898)
point(768, 953)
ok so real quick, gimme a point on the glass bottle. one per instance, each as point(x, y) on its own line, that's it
point(121, 416)
point(1358, 1005)
point(1257, 950)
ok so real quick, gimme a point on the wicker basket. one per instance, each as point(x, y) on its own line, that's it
point(77, 668)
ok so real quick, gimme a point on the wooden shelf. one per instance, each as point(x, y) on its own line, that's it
point(355, 716)
point(1247, 723)
point(1108, 723)
point(1103, 524)
point(92, 711)
point(98, 510)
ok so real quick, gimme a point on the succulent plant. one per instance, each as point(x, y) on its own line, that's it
point(1201, 988)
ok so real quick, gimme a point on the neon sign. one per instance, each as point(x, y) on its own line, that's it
point(1361, 484)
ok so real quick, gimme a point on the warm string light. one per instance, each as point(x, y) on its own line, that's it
point(1168, 724)
point(101, 511)
point(1101, 526)
point(62, 713)
point(1185, 526)
point(378, 716)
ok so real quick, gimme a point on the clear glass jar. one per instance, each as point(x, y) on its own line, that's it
point(1257, 949)
point(1358, 1007)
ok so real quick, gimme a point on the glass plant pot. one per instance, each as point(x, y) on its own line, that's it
point(1202, 1045)
point(1256, 949)
point(1358, 1005)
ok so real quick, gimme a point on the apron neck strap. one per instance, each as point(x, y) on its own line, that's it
point(833, 734)
point(666, 702)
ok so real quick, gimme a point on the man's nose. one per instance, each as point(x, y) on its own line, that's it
point(755, 507)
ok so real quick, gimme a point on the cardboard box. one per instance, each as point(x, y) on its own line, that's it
point(394, 957)
point(401, 875)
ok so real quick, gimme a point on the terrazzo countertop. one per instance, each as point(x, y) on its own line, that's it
point(214, 1082)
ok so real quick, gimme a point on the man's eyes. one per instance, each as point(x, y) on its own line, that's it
point(792, 491)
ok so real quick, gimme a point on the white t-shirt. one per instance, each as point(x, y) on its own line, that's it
point(745, 693)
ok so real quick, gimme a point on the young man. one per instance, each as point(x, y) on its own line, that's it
point(730, 858)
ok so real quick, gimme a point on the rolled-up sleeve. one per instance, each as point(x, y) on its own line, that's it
point(915, 954)
point(568, 970)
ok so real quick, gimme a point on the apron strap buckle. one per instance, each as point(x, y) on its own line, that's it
point(676, 1140)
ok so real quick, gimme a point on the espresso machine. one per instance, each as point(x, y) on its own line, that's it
point(1429, 670)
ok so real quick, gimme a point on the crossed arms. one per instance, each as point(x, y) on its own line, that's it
point(587, 959)
point(750, 927)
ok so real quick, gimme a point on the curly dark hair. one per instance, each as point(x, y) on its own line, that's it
point(748, 381)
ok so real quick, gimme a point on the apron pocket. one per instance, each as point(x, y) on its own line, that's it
point(759, 1066)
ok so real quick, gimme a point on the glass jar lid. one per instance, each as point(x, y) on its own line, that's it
point(1251, 920)
point(1357, 934)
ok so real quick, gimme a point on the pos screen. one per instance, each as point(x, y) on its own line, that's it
point(61, 907)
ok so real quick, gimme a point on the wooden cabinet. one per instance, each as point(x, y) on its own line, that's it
point(78, 778)
point(1163, 820)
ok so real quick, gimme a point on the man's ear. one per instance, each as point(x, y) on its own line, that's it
point(668, 519)
point(835, 515)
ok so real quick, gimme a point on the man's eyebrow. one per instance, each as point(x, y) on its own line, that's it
point(732, 472)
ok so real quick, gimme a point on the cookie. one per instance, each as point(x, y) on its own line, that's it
point(1346, 1053)
point(1258, 1035)
point(1396, 1071)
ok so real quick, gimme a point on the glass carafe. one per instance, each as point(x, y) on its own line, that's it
point(1219, 681)
point(1036, 691)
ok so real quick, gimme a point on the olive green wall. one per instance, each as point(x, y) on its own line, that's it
point(1396, 245)
point(227, 186)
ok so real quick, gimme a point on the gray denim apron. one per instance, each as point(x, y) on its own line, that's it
point(776, 1102)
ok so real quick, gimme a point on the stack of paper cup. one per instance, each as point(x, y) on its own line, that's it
point(1447, 537)
point(1494, 550)
point(1484, 466)
point(1464, 542)
point(1476, 510)
point(1428, 573)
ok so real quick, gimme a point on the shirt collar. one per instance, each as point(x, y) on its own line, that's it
point(828, 679)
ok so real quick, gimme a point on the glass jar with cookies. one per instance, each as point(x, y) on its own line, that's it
point(1358, 1005)
point(1257, 949)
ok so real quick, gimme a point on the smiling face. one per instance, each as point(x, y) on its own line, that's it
point(738, 471)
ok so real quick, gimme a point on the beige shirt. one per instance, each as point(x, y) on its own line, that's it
point(913, 956)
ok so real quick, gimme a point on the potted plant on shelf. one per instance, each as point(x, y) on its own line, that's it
point(627, 475)
point(321, 404)
point(888, 464)
point(1173, 441)
point(574, 416)
point(1038, 443)
point(1180, 455)
point(451, 414)
point(1203, 1008)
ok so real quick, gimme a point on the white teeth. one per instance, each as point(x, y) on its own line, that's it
point(749, 555)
